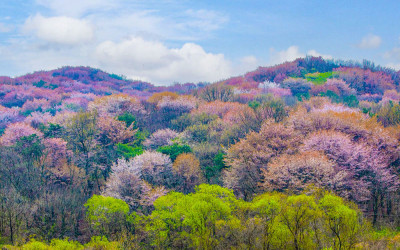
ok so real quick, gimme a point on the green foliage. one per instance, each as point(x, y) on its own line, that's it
point(30, 111)
point(174, 150)
point(100, 208)
point(107, 215)
point(278, 109)
point(74, 107)
point(118, 77)
point(389, 114)
point(39, 84)
point(52, 130)
point(182, 122)
point(200, 211)
point(127, 118)
point(65, 244)
point(199, 132)
point(341, 220)
point(254, 104)
point(81, 134)
point(297, 214)
point(30, 147)
point(332, 95)
point(102, 243)
point(128, 151)
point(140, 137)
point(35, 245)
point(319, 78)
point(53, 86)
point(350, 101)
point(302, 96)
point(187, 120)
point(219, 160)
point(212, 217)
point(213, 170)
point(55, 244)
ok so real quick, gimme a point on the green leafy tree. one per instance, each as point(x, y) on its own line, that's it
point(298, 212)
point(174, 150)
point(342, 221)
point(107, 215)
point(127, 118)
point(179, 218)
point(128, 151)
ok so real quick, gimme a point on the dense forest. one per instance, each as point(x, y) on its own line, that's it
point(301, 155)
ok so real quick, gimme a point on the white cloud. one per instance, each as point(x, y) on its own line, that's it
point(60, 29)
point(154, 61)
point(290, 54)
point(246, 64)
point(76, 8)
point(395, 66)
point(393, 54)
point(370, 42)
point(189, 25)
point(316, 54)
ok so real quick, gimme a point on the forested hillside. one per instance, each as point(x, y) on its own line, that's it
point(301, 155)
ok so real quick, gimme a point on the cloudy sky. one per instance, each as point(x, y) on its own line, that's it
point(169, 41)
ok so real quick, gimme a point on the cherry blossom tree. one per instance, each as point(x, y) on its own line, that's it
point(295, 173)
point(160, 138)
point(115, 105)
point(112, 131)
point(125, 182)
point(37, 118)
point(56, 151)
point(156, 168)
point(8, 115)
point(14, 131)
point(250, 155)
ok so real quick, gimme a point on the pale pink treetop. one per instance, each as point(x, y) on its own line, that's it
point(36, 118)
point(180, 104)
point(115, 105)
point(160, 138)
point(17, 130)
point(56, 152)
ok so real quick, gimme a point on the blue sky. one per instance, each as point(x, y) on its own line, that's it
point(170, 41)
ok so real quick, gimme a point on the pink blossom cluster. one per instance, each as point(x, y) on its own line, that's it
point(8, 116)
point(14, 131)
point(116, 104)
point(37, 118)
point(180, 104)
point(160, 138)
point(56, 152)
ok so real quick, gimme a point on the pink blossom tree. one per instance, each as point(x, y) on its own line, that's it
point(14, 131)
point(160, 138)
point(125, 182)
point(115, 105)
point(56, 151)
point(8, 115)
point(37, 118)
point(112, 131)
point(296, 173)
